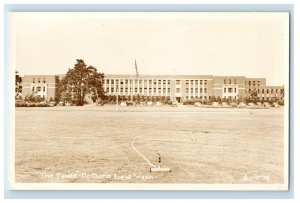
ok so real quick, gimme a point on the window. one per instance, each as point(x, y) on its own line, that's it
point(164, 82)
point(200, 82)
point(263, 91)
point(33, 80)
point(201, 90)
point(249, 83)
point(122, 83)
point(126, 82)
point(186, 97)
point(44, 89)
point(107, 81)
point(276, 90)
point(192, 82)
point(39, 80)
point(205, 90)
point(234, 90)
point(205, 82)
point(205, 97)
point(33, 89)
point(112, 89)
point(258, 83)
point(169, 82)
point(169, 90)
point(44, 81)
point(224, 81)
point(177, 82)
point(196, 89)
point(267, 91)
point(271, 91)
point(112, 82)
point(225, 90)
point(192, 90)
point(121, 89)
point(253, 83)
point(38, 89)
point(187, 90)
point(234, 81)
point(107, 89)
point(154, 82)
point(229, 81)
point(177, 90)
point(229, 90)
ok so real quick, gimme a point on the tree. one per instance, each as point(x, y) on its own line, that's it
point(18, 86)
point(254, 95)
point(82, 80)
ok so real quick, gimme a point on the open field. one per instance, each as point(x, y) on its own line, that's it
point(200, 145)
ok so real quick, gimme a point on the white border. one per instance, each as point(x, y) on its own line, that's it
point(135, 186)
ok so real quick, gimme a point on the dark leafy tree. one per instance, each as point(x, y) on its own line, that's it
point(254, 95)
point(18, 84)
point(82, 80)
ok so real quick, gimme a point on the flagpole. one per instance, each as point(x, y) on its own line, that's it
point(117, 103)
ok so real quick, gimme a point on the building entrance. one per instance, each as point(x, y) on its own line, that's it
point(178, 99)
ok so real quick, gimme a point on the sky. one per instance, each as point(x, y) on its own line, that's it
point(238, 44)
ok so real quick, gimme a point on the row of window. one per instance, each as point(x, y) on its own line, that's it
point(112, 81)
point(230, 90)
point(38, 89)
point(252, 83)
point(192, 90)
point(38, 80)
point(136, 89)
point(266, 90)
point(229, 81)
point(192, 82)
point(159, 82)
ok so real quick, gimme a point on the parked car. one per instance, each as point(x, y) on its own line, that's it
point(174, 104)
point(123, 104)
point(197, 104)
point(142, 104)
point(52, 103)
point(149, 103)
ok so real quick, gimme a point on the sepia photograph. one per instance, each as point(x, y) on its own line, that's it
point(149, 101)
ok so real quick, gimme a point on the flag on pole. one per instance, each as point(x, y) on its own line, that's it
point(136, 70)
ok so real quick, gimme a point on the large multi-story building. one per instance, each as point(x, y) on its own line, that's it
point(45, 86)
point(177, 87)
point(182, 87)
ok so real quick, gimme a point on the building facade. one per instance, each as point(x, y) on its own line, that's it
point(176, 87)
point(183, 87)
point(45, 86)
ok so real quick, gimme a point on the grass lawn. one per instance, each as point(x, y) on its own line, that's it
point(200, 145)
